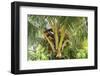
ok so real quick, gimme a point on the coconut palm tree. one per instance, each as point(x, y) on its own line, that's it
point(62, 37)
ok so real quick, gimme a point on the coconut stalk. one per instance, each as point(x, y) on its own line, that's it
point(59, 37)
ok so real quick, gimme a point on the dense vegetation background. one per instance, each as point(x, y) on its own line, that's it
point(57, 37)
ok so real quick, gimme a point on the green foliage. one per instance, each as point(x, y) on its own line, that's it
point(75, 47)
point(38, 54)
